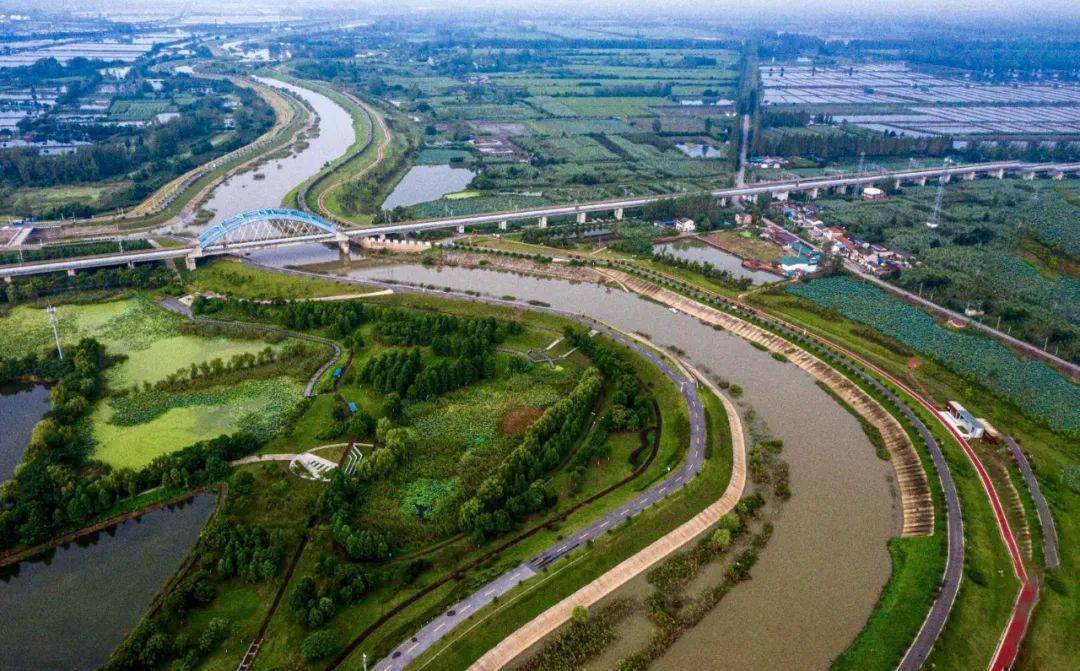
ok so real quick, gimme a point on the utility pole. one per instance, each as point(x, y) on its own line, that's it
point(56, 330)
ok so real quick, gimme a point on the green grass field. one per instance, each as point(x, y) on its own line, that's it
point(176, 420)
point(237, 280)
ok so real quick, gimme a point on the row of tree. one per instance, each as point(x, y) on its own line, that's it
point(517, 488)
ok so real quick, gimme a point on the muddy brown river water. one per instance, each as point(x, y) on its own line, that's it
point(816, 583)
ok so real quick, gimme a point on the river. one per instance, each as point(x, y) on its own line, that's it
point(71, 608)
point(817, 582)
point(268, 185)
point(21, 407)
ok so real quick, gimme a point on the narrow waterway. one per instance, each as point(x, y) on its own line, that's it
point(817, 582)
point(21, 407)
point(268, 185)
point(68, 610)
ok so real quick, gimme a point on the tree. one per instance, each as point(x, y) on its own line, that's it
point(581, 615)
point(319, 645)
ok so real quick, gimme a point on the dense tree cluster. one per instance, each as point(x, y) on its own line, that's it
point(315, 604)
point(247, 551)
point(517, 488)
point(403, 372)
point(145, 276)
point(631, 408)
point(842, 143)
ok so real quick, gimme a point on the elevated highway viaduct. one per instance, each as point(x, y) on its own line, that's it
point(264, 229)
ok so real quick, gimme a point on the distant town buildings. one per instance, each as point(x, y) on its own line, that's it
point(873, 258)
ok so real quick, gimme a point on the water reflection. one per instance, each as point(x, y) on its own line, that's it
point(21, 407)
point(68, 609)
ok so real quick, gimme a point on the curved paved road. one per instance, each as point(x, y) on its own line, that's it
point(433, 631)
point(1051, 559)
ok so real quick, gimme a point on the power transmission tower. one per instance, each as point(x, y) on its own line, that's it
point(56, 330)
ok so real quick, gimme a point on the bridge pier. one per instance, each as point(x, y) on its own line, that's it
point(7, 279)
point(1057, 175)
point(780, 195)
point(998, 174)
point(461, 229)
point(813, 193)
point(71, 272)
point(503, 225)
point(946, 178)
point(1028, 175)
point(581, 217)
point(542, 223)
point(618, 214)
point(896, 184)
point(921, 181)
point(968, 176)
point(722, 201)
point(343, 243)
point(840, 188)
point(130, 264)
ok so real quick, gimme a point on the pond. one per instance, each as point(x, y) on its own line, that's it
point(70, 608)
point(699, 150)
point(21, 407)
point(705, 253)
point(425, 183)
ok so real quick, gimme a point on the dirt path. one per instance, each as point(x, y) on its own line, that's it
point(545, 623)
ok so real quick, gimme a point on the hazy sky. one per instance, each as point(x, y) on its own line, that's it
point(946, 9)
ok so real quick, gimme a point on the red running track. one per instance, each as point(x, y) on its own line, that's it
point(1009, 644)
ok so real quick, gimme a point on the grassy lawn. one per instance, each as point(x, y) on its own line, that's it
point(241, 281)
point(168, 355)
point(182, 418)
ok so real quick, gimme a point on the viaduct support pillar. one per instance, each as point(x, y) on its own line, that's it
point(813, 193)
point(343, 243)
point(1029, 175)
point(1057, 175)
point(71, 272)
point(503, 225)
point(618, 214)
point(581, 217)
point(461, 229)
point(998, 174)
point(780, 195)
point(543, 222)
point(921, 181)
point(968, 176)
